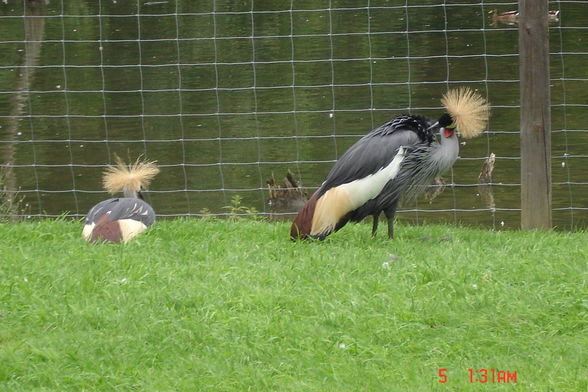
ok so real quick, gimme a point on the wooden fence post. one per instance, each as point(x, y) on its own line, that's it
point(535, 115)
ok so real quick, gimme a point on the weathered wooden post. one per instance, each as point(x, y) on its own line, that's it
point(34, 29)
point(535, 115)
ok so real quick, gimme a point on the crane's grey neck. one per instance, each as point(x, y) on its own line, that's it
point(444, 153)
point(425, 163)
point(128, 192)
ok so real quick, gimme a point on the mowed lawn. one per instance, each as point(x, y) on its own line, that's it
point(225, 305)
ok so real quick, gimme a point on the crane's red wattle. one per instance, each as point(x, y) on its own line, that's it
point(447, 132)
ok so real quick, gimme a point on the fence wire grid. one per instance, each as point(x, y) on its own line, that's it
point(226, 94)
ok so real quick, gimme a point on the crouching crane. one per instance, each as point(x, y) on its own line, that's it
point(121, 219)
point(396, 160)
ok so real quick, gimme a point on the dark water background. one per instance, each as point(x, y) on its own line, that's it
point(224, 93)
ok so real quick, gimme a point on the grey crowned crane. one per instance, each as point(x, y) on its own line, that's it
point(121, 219)
point(396, 160)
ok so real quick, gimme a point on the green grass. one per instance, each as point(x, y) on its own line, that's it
point(221, 305)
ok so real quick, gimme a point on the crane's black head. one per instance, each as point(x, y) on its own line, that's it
point(446, 121)
point(447, 125)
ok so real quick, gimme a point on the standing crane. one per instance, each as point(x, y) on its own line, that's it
point(121, 219)
point(396, 160)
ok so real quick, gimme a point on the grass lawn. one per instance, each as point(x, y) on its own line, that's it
point(220, 305)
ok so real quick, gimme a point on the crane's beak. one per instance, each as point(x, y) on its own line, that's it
point(433, 126)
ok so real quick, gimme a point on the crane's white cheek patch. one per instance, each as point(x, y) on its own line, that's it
point(130, 228)
point(87, 232)
point(338, 201)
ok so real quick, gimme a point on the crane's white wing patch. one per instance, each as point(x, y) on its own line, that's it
point(340, 200)
point(131, 228)
point(87, 232)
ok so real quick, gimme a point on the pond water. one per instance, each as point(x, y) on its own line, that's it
point(225, 94)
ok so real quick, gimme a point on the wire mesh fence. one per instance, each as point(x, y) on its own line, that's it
point(228, 94)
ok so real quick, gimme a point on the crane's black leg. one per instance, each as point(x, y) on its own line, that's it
point(390, 212)
point(375, 223)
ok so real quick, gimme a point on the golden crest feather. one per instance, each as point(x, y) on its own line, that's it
point(468, 109)
point(133, 177)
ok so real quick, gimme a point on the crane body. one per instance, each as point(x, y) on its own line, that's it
point(394, 162)
point(121, 219)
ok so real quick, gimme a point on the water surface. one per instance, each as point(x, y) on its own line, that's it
point(224, 94)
